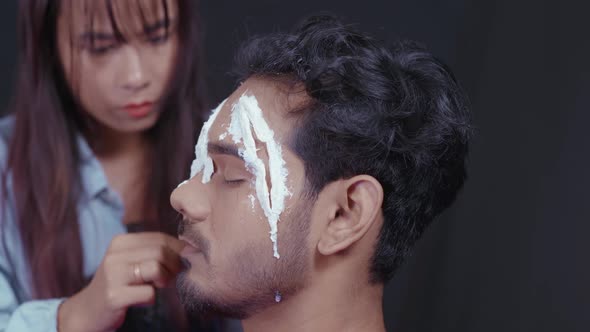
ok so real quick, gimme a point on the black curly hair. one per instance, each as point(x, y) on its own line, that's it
point(397, 114)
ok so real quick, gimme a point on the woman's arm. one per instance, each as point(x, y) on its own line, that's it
point(16, 314)
point(34, 316)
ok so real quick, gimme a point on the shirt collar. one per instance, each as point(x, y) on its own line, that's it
point(92, 175)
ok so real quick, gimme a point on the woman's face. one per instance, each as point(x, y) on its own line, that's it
point(118, 59)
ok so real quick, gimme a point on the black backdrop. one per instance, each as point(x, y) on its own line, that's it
point(511, 255)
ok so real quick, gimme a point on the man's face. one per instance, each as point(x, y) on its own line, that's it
point(233, 268)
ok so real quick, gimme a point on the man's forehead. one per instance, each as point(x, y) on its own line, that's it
point(274, 99)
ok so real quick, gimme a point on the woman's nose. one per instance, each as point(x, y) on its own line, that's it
point(133, 72)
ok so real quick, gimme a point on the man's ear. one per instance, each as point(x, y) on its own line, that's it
point(355, 206)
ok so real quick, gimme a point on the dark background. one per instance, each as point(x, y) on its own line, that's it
point(512, 254)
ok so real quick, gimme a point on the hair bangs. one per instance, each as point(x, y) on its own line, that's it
point(124, 19)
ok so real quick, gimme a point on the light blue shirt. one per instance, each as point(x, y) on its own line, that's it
point(100, 215)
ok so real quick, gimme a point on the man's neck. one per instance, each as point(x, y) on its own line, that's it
point(331, 305)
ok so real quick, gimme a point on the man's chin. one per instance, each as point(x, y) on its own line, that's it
point(200, 303)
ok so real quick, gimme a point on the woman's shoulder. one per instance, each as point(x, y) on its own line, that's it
point(6, 128)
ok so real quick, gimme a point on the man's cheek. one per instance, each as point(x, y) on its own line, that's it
point(247, 220)
point(233, 215)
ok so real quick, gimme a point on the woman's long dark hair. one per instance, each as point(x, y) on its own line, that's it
point(44, 159)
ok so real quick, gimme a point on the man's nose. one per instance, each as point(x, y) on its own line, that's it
point(134, 75)
point(191, 200)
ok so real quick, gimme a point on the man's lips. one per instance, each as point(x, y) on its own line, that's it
point(190, 247)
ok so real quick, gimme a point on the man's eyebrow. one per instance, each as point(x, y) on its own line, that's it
point(223, 148)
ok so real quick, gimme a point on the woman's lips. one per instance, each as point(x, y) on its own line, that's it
point(138, 110)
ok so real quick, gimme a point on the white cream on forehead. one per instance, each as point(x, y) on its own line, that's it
point(245, 116)
point(202, 160)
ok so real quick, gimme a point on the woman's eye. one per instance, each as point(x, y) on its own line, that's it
point(158, 39)
point(102, 49)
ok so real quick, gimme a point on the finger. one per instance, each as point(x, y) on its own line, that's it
point(139, 240)
point(168, 258)
point(133, 295)
point(155, 273)
point(175, 244)
point(120, 268)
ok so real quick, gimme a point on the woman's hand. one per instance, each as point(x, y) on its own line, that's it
point(133, 265)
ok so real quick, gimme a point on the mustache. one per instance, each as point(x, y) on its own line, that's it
point(191, 233)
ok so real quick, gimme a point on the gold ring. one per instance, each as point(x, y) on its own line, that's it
point(137, 274)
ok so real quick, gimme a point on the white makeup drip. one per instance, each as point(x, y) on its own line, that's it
point(278, 297)
point(246, 114)
point(252, 201)
point(202, 160)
